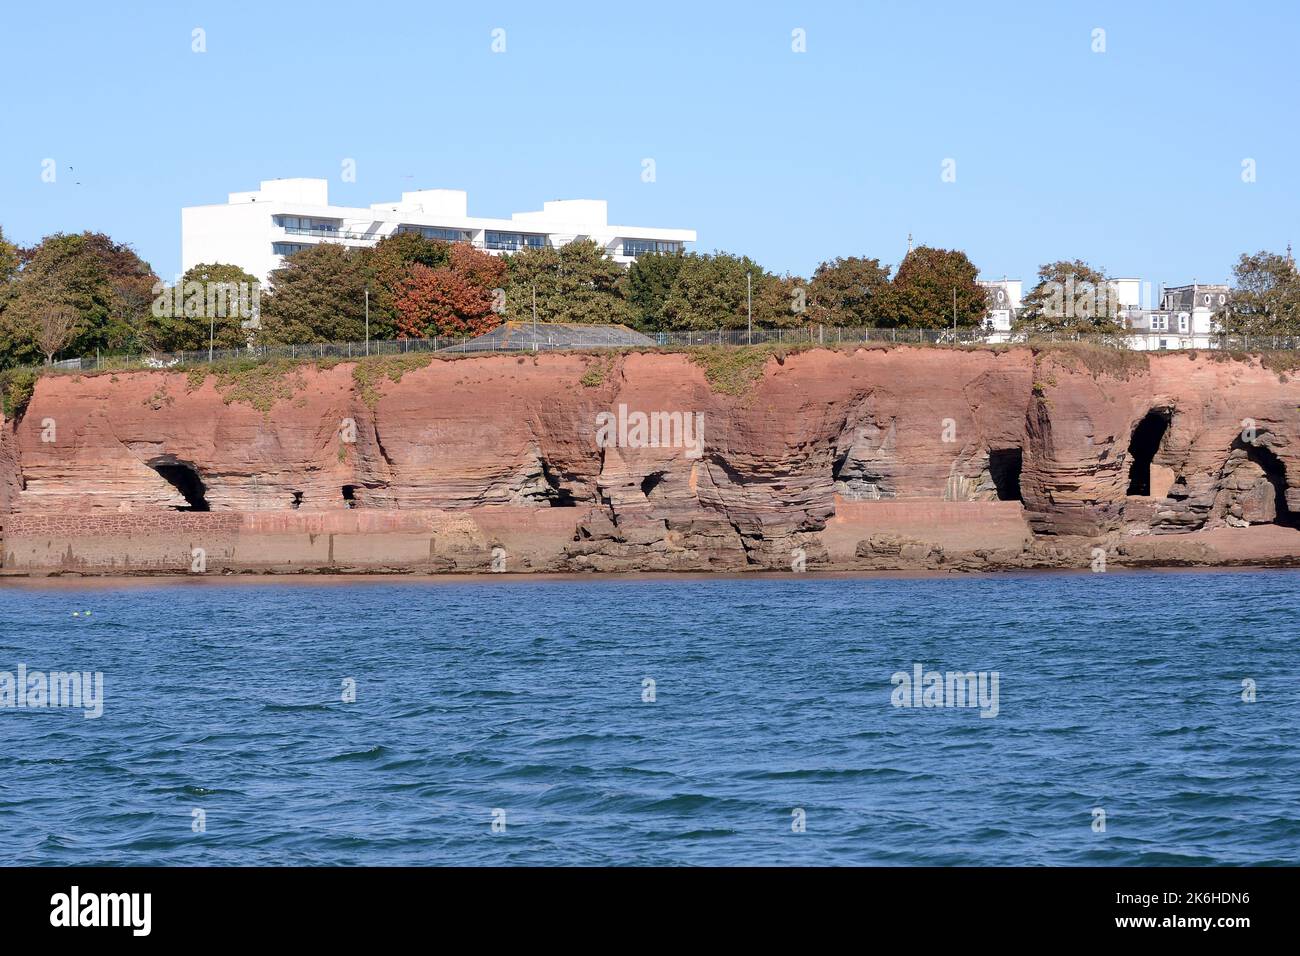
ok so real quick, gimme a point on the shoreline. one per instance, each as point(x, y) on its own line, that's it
point(77, 581)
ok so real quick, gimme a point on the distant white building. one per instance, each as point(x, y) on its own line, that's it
point(1004, 303)
point(256, 230)
point(1186, 316)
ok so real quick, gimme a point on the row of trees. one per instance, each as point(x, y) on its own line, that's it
point(76, 294)
point(421, 287)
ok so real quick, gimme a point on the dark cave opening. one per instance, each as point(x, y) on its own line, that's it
point(1004, 469)
point(349, 496)
point(561, 497)
point(651, 481)
point(1142, 448)
point(185, 479)
point(1275, 471)
point(297, 501)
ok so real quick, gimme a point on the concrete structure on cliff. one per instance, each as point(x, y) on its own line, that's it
point(256, 230)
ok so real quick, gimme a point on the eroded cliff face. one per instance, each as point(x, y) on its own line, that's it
point(827, 458)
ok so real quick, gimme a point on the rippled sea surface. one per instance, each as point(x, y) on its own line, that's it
point(1116, 691)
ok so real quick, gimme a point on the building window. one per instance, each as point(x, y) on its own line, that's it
point(307, 226)
point(639, 247)
point(438, 233)
point(514, 241)
point(1182, 321)
point(1159, 323)
point(287, 248)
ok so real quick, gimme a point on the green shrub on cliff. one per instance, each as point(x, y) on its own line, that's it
point(259, 384)
point(734, 370)
point(1118, 363)
point(369, 372)
point(16, 388)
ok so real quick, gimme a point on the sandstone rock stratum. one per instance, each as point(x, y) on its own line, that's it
point(821, 459)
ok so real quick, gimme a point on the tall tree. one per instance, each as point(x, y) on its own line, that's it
point(54, 328)
point(1070, 296)
point(924, 288)
point(8, 259)
point(1265, 299)
point(576, 282)
point(216, 299)
point(650, 280)
point(388, 266)
point(100, 279)
point(318, 295)
point(456, 299)
point(710, 292)
point(851, 291)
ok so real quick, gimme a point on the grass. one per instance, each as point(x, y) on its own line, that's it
point(1098, 360)
point(370, 373)
point(734, 370)
point(596, 371)
point(259, 384)
point(1280, 363)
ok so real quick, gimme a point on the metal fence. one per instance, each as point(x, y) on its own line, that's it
point(573, 339)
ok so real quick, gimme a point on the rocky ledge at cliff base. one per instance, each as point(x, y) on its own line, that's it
point(900, 458)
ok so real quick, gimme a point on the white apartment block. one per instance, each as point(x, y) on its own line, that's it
point(1184, 317)
point(256, 230)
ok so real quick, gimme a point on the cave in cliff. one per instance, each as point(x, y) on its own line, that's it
point(1004, 470)
point(1147, 436)
point(651, 481)
point(185, 479)
point(1274, 470)
point(557, 495)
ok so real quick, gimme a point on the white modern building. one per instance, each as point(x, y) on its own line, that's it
point(256, 230)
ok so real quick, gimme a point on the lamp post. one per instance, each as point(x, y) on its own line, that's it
point(212, 331)
point(367, 320)
point(749, 305)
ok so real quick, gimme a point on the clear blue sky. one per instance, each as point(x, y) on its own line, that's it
point(1130, 159)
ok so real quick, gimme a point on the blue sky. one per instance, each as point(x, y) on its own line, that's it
point(1130, 159)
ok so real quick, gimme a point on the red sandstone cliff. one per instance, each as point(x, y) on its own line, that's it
point(857, 458)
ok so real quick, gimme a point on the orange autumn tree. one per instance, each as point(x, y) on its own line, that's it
point(455, 299)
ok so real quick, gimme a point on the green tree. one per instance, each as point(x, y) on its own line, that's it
point(851, 291)
point(10, 348)
point(8, 259)
point(318, 295)
point(923, 289)
point(102, 281)
point(211, 297)
point(650, 280)
point(710, 292)
point(1070, 296)
point(1265, 299)
point(576, 282)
